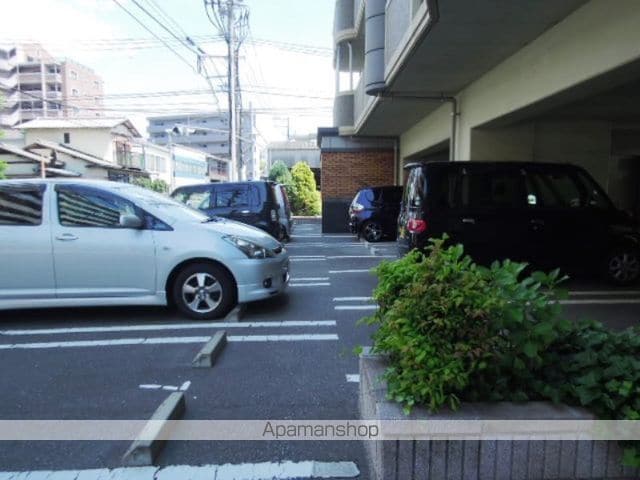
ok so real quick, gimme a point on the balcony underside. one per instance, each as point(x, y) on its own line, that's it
point(467, 40)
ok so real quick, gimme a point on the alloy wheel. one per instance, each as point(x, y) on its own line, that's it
point(202, 293)
point(372, 232)
point(624, 267)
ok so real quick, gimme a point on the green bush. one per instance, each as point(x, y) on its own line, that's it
point(159, 186)
point(3, 168)
point(455, 331)
point(305, 198)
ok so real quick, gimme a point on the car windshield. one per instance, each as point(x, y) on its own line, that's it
point(166, 208)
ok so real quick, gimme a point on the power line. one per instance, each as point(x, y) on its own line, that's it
point(153, 33)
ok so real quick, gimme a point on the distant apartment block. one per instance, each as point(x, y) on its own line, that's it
point(208, 132)
point(33, 84)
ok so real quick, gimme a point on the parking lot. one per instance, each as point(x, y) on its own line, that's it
point(288, 358)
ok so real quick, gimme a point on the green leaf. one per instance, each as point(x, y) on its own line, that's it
point(530, 350)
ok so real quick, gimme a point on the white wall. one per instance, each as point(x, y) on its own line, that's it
point(97, 142)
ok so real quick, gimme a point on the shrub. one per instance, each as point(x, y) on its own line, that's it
point(456, 331)
point(3, 168)
point(305, 199)
point(159, 186)
point(446, 322)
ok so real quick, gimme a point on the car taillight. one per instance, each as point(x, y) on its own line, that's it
point(356, 207)
point(416, 226)
point(274, 215)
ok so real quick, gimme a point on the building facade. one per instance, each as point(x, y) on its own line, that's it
point(483, 80)
point(190, 166)
point(303, 149)
point(36, 85)
point(208, 132)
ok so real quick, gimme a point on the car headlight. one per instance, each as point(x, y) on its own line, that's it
point(250, 249)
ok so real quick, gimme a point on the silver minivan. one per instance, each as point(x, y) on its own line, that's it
point(96, 243)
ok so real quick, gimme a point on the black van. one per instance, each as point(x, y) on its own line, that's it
point(550, 215)
point(253, 203)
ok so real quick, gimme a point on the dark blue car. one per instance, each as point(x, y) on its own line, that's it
point(373, 214)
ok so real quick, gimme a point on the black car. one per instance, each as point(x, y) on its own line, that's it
point(373, 214)
point(550, 215)
point(253, 203)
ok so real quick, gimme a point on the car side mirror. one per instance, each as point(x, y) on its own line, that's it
point(130, 221)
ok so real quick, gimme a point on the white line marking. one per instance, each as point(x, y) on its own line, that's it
point(357, 307)
point(283, 338)
point(150, 387)
point(307, 256)
point(605, 292)
point(310, 279)
point(170, 388)
point(620, 301)
point(163, 341)
point(340, 257)
point(353, 378)
point(185, 386)
point(353, 299)
point(247, 471)
point(339, 272)
point(178, 326)
point(308, 259)
point(302, 285)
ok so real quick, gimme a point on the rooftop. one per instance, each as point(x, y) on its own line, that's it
point(75, 123)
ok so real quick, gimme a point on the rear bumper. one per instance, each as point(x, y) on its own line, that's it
point(260, 279)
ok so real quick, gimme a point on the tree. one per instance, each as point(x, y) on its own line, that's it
point(159, 186)
point(279, 173)
point(305, 199)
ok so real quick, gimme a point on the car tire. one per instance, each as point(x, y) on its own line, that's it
point(372, 232)
point(622, 266)
point(203, 291)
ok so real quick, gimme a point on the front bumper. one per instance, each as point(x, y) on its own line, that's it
point(260, 279)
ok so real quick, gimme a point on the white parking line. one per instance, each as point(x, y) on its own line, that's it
point(356, 307)
point(310, 279)
point(302, 285)
point(345, 257)
point(353, 299)
point(164, 341)
point(619, 301)
point(308, 256)
point(246, 471)
point(178, 326)
point(308, 259)
point(340, 272)
point(353, 378)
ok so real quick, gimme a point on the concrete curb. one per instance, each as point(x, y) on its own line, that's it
point(143, 452)
point(235, 315)
point(206, 357)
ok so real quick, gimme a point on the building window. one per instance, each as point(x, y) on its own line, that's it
point(97, 99)
point(67, 137)
point(74, 75)
point(96, 84)
point(74, 92)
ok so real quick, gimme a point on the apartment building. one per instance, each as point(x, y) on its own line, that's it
point(208, 132)
point(534, 80)
point(36, 85)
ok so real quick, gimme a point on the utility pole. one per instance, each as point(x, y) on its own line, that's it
point(231, 18)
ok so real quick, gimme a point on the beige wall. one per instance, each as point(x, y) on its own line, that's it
point(97, 142)
point(596, 39)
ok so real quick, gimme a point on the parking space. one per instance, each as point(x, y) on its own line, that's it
point(290, 357)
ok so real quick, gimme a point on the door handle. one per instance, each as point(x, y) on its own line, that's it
point(67, 237)
point(469, 221)
point(245, 212)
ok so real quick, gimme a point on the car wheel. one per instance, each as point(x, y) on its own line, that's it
point(623, 266)
point(372, 232)
point(203, 291)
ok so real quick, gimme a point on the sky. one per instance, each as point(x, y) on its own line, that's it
point(101, 35)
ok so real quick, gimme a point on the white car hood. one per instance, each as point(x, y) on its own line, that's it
point(241, 230)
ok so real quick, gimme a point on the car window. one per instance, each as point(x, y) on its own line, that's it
point(87, 207)
point(492, 189)
point(232, 197)
point(20, 206)
point(200, 198)
point(416, 188)
point(555, 190)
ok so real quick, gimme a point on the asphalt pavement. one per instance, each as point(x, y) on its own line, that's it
point(290, 357)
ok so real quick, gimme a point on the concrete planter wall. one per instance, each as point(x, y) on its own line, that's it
point(481, 460)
